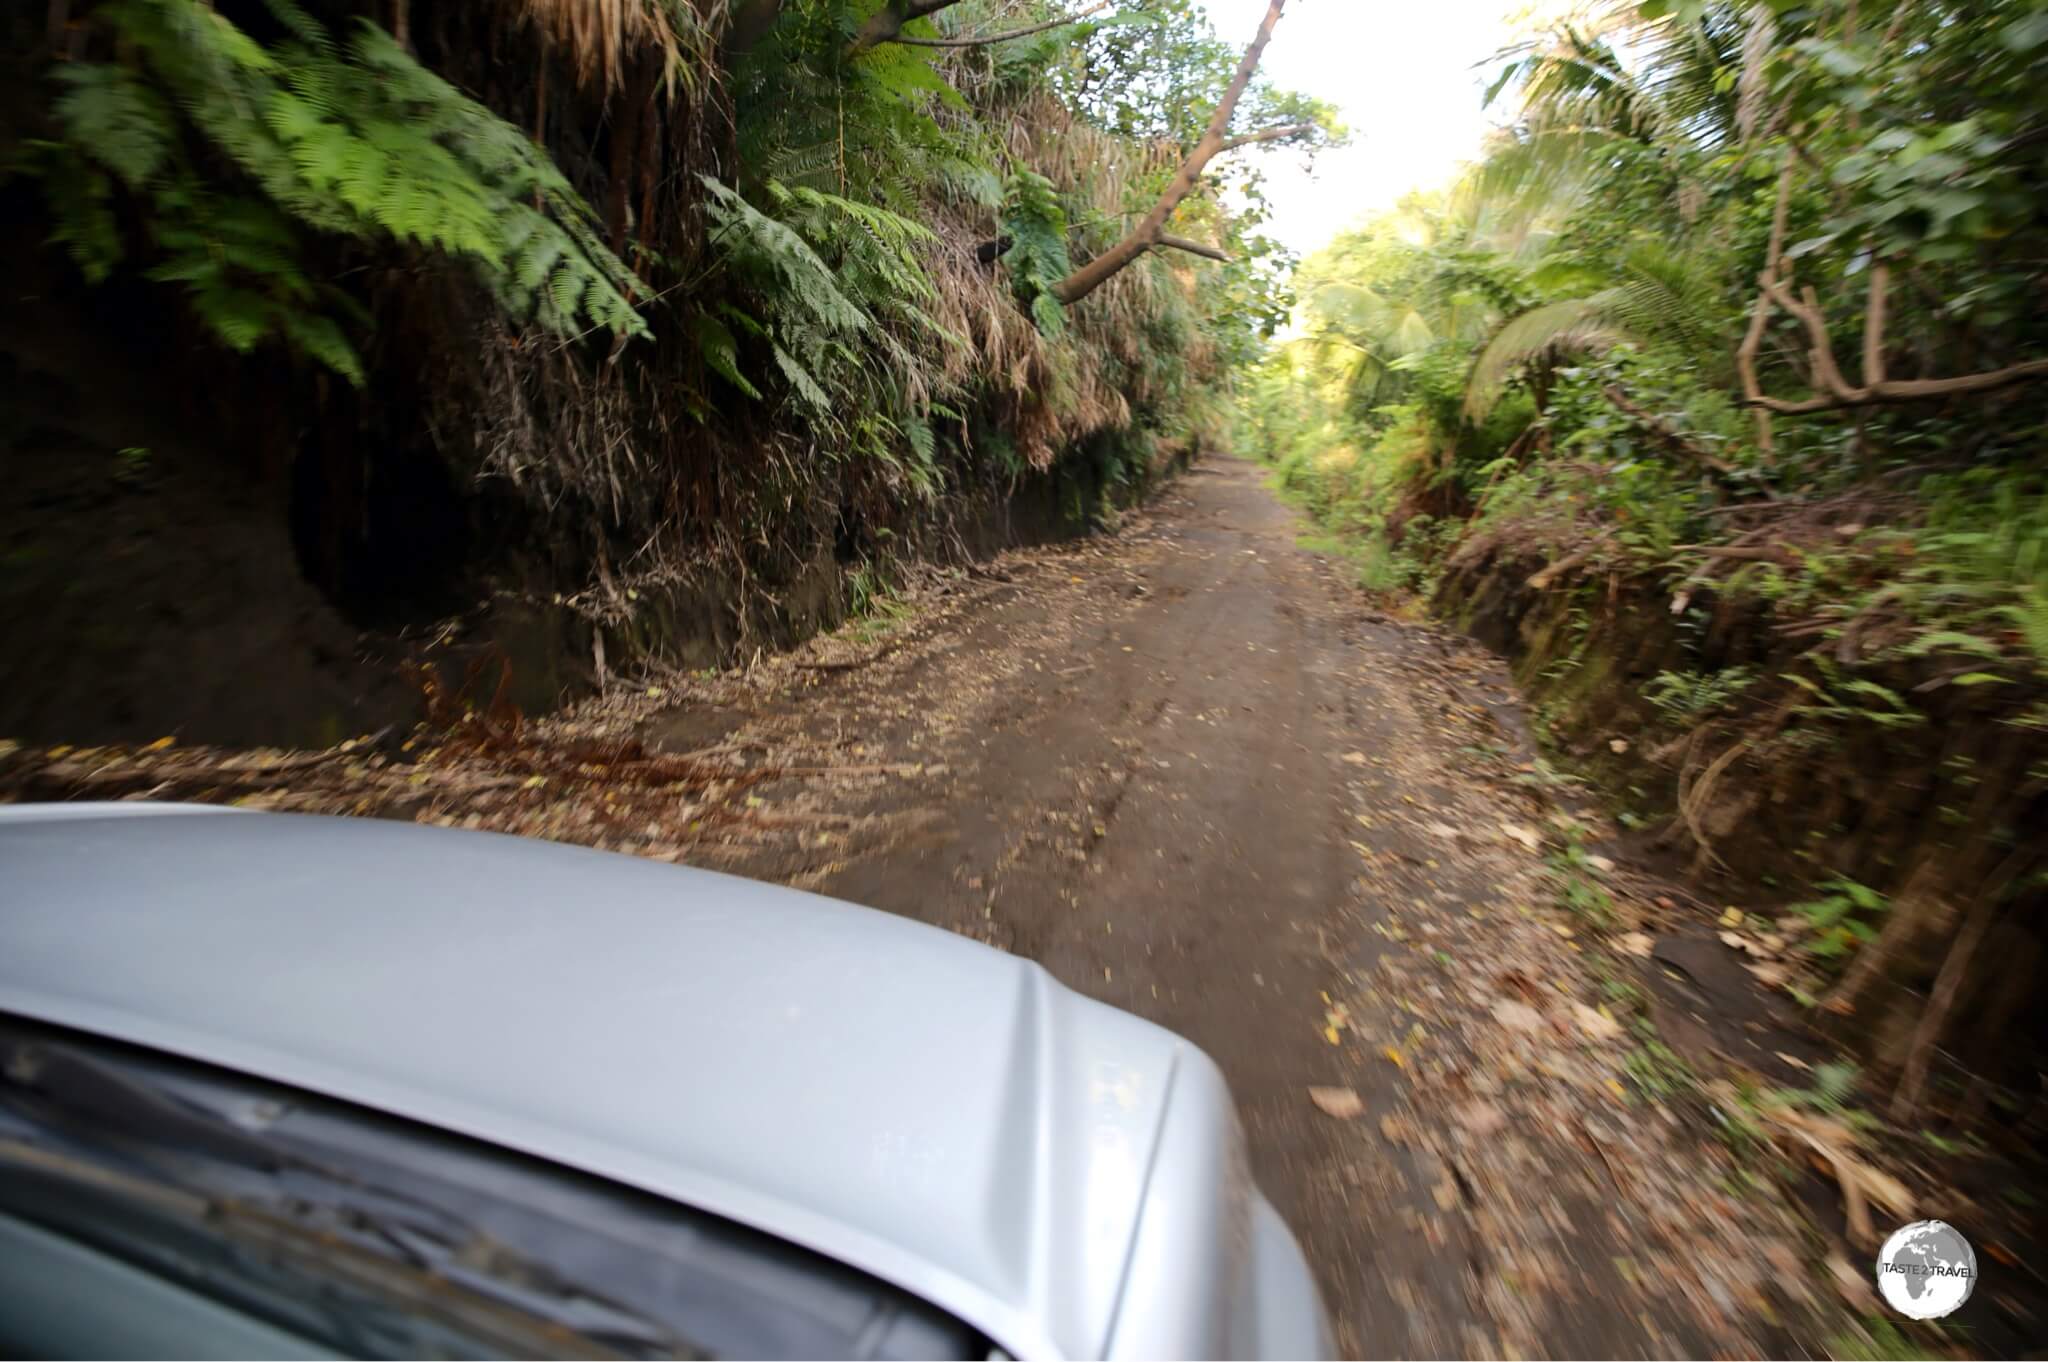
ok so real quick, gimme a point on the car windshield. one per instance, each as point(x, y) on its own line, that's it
point(152, 1206)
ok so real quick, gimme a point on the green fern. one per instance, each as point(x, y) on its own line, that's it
point(348, 137)
point(1036, 223)
point(824, 271)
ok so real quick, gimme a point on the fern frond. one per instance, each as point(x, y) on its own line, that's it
point(115, 118)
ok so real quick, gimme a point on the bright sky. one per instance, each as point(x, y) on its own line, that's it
point(1401, 74)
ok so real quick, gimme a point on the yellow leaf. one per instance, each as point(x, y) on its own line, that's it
point(60, 750)
point(160, 744)
point(1620, 1093)
point(1394, 1055)
point(1330, 1035)
point(654, 692)
point(1732, 918)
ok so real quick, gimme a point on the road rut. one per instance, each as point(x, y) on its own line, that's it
point(1196, 775)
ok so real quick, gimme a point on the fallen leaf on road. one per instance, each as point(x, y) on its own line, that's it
point(1526, 836)
point(1794, 1060)
point(1636, 943)
point(1518, 1016)
point(1770, 976)
point(1600, 863)
point(1849, 1280)
point(1396, 1130)
point(1482, 1118)
point(1342, 1103)
point(1617, 745)
point(1355, 758)
point(1394, 1055)
point(1597, 1025)
point(1860, 1182)
point(1731, 917)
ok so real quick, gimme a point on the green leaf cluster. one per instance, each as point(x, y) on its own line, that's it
point(222, 152)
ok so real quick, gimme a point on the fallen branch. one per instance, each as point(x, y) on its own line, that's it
point(1775, 553)
point(1666, 434)
point(1541, 581)
point(1947, 984)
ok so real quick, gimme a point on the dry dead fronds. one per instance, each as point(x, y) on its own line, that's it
point(601, 37)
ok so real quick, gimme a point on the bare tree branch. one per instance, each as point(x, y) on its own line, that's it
point(1092, 275)
point(1667, 435)
point(1760, 315)
point(1266, 135)
point(1201, 248)
point(983, 40)
point(1837, 393)
point(887, 24)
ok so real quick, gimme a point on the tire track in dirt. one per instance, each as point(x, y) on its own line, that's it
point(1190, 772)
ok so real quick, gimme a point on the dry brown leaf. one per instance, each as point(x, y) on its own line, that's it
point(1852, 1283)
point(1860, 1182)
point(1482, 1118)
point(1526, 836)
point(1354, 758)
point(1597, 1025)
point(1517, 1016)
point(1342, 1103)
point(1770, 975)
point(1636, 943)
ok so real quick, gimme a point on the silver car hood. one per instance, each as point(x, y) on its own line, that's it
point(936, 1112)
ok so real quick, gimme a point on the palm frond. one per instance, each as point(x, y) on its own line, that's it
point(1542, 334)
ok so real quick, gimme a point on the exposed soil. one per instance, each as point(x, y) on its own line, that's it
point(1191, 773)
point(1197, 776)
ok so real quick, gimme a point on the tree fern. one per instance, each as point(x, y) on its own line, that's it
point(349, 137)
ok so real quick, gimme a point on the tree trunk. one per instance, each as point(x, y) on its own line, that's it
point(1145, 235)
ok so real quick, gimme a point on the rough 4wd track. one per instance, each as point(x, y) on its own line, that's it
point(1196, 776)
point(1189, 771)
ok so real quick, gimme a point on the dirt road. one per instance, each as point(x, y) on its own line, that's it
point(1194, 774)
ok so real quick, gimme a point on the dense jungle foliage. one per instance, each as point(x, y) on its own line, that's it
point(1714, 391)
point(676, 287)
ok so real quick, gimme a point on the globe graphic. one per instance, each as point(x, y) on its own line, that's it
point(1926, 1269)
